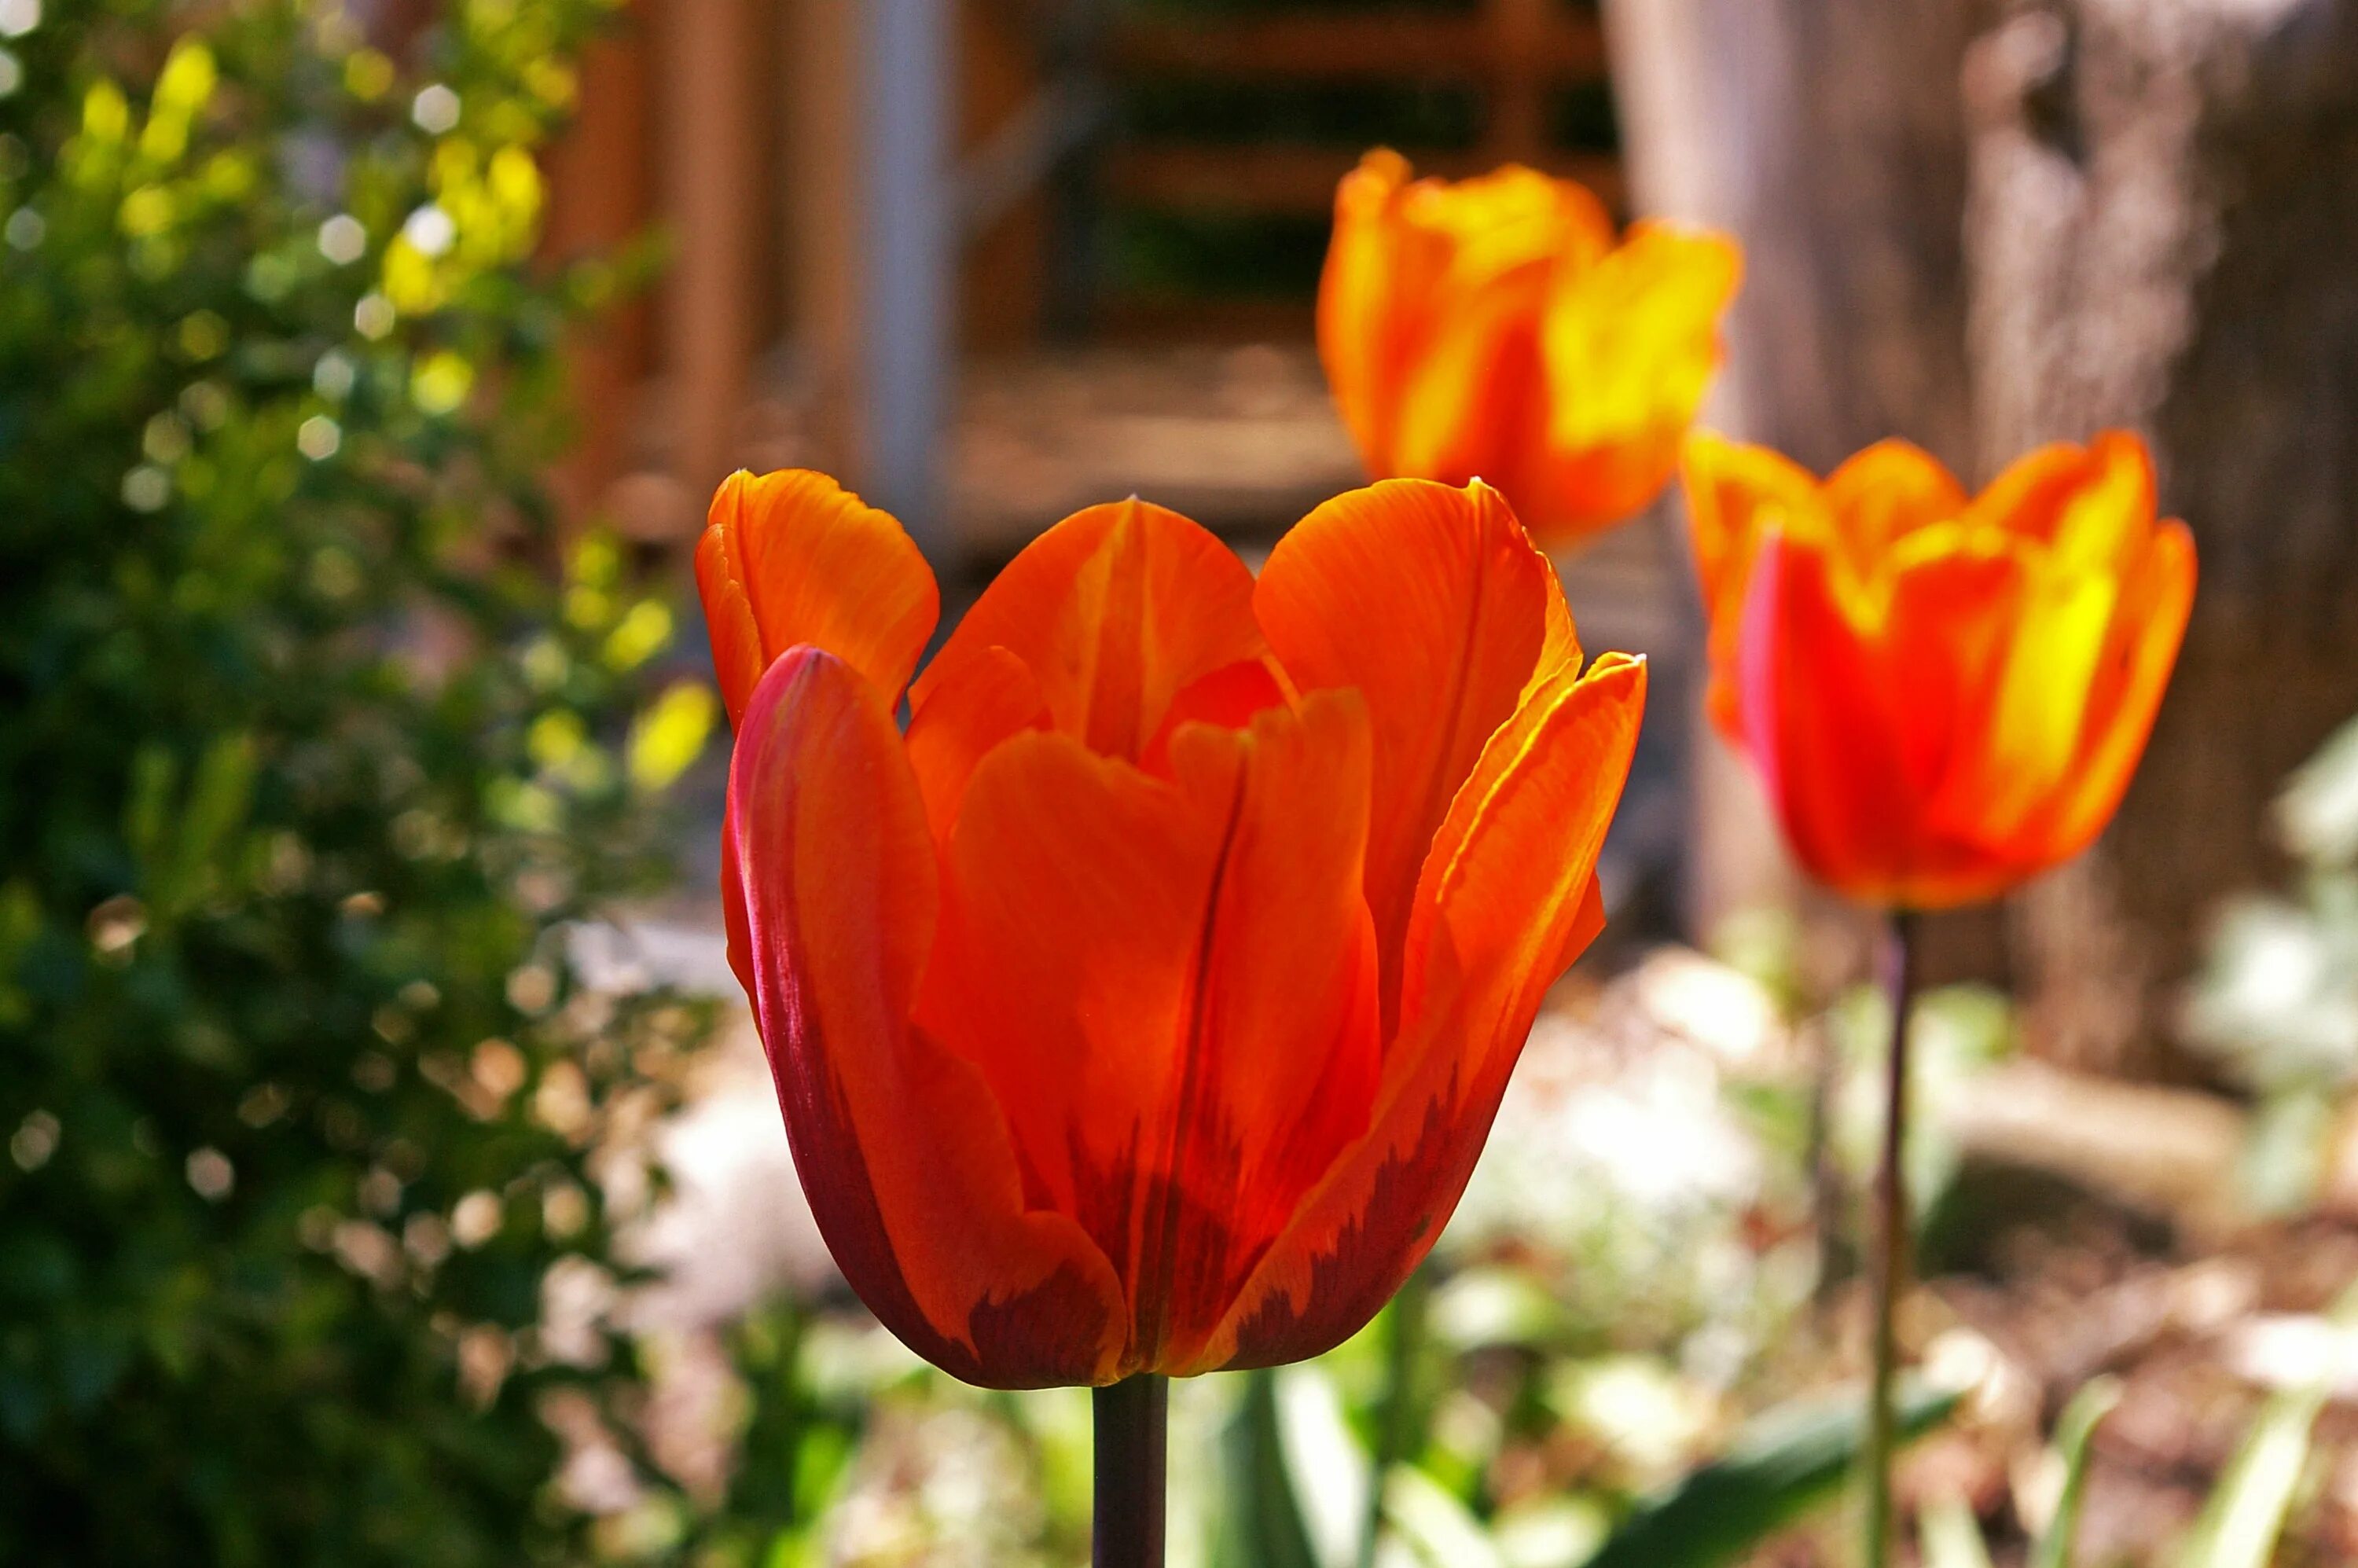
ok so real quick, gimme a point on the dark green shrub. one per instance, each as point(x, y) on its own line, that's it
point(307, 757)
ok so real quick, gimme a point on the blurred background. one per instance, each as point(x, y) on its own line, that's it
point(393, 1175)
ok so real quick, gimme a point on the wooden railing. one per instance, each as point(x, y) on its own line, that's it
point(737, 128)
point(1513, 56)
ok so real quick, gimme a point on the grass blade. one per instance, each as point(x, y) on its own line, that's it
point(1297, 1482)
point(2074, 1430)
point(1949, 1536)
point(2245, 1514)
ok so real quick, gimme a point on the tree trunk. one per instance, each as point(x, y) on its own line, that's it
point(2162, 215)
point(1985, 225)
point(1829, 136)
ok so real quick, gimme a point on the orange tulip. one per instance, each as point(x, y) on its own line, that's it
point(1945, 696)
point(1494, 328)
point(1143, 1006)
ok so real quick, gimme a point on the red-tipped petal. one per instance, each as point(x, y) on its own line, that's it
point(903, 1153)
point(1170, 983)
point(1510, 898)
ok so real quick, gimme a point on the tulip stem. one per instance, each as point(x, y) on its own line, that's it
point(1132, 1426)
point(1899, 980)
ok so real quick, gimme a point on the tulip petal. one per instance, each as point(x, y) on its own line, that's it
point(1171, 985)
point(1506, 219)
point(1473, 403)
point(2055, 494)
point(1227, 699)
point(991, 697)
point(1371, 300)
point(2082, 531)
point(1434, 604)
point(2104, 525)
point(1817, 719)
point(1887, 491)
point(1117, 610)
point(2030, 649)
point(1948, 639)
point(1735, 493)
point(1428, 311)
point(793, 557)
point(1629, 345)
point(903, 1153)
point(1870, 712)
point(737, 935)
point(1498, 906)
point(1508, 899)
point(2148, 626)
point(1472, 396)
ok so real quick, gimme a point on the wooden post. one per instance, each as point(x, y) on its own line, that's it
point(712, 166)
point(1001, 274)
point(824, 237)
point(908, 272)
point(601, 195)
point(2164, 206)
point(1826, 135)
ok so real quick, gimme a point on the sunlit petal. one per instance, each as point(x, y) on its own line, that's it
point(903, 1154)
point(793, 557)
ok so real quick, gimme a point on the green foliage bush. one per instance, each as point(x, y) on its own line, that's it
point(308, 755)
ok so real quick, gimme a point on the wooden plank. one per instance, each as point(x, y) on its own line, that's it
point(823, 214)
point(708, 98)
point(1001, 277)
point(1297, 179)
point(601, 195)
point(1554, 43)
point(1129, 319)
point(1515, 115)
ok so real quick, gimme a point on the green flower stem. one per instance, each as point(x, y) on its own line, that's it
point(1891, 1241)
point(1132, 1431)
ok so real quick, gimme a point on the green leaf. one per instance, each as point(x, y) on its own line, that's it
point(2317, 813)
point(2239, 1525)
point(1297, 1483)
point(1949, 1536)
point(1434, 1526)
point(218, 797)
point(1261, 1524)
point(155, 785)
point(2073, 1434)
point(670, 735)
point(1777, 1470)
